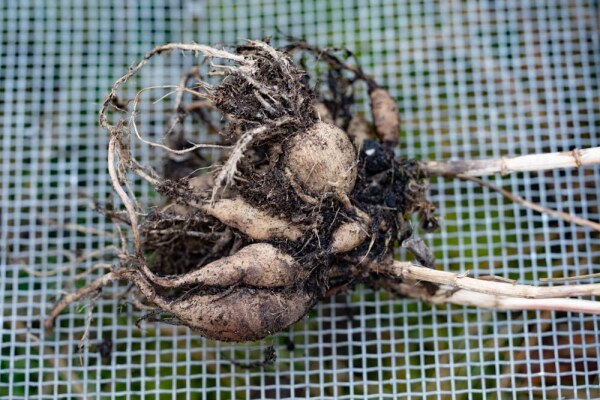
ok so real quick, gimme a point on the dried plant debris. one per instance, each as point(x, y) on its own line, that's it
point(306, 199)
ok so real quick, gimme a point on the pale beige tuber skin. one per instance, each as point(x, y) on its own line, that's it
point(244, 314)
point(323, 113)
point(359, 130)
point(321, 158)
point(348, 237)
point(255, 223)
point(263, 301)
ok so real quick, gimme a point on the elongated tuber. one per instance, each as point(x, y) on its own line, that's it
point(244, 314)
point(255, 223)
point(385, 116)
point(348, 237)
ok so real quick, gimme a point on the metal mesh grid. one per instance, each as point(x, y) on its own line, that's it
point(471, 78)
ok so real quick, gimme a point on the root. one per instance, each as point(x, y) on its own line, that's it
point(134, 128)
point(87, 291)
point(116, 183)
point(195, 48)
point(534, 206)
point(269, 359)
point(83, 342)
point(571, 278)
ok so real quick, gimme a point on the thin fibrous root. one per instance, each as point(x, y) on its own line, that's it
point(117, 146)
point(84, 341)
point(193, 47)
point(134, 127)
point(534, 206)
point(87, 291)
point(116, 183)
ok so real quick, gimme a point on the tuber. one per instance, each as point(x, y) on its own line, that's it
point(385, 116)
point(322, 157)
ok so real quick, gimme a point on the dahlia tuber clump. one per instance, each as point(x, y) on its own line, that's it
point(307, 199)
point(305, 196)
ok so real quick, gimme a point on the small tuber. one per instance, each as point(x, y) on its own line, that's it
point(322, 157)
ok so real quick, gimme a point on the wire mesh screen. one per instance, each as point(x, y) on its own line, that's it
point(472, 79)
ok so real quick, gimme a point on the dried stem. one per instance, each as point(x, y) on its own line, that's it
point(506, 165)
point(450, 294)
point(410, 271)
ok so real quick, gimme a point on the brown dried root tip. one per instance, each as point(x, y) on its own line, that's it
point(385, 116)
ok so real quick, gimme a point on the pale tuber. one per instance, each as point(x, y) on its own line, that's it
point(322, 157)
